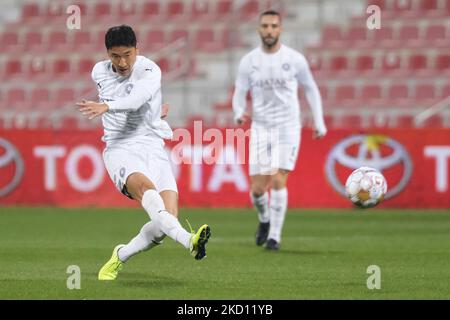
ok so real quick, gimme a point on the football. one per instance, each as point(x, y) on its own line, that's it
point(366, 187)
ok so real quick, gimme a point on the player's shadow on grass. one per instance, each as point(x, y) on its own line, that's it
point(152, 281)
point(301, 252)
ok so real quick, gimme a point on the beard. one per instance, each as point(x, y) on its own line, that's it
point(270, 42)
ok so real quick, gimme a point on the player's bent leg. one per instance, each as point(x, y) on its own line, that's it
point(260, 199)
point(278, 207)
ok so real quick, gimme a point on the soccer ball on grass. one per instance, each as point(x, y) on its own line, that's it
point(366, 187)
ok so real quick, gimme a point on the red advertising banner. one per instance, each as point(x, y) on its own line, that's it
point(65, 168)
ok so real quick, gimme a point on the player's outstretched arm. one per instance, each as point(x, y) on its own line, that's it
point(92, 109)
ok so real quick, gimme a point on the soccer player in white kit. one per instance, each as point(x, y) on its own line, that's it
point(272, 73)
point(129, 88)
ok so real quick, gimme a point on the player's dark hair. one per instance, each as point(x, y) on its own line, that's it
point(270, 12)
point(120, 36)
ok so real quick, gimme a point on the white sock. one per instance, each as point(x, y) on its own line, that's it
point(149, 236)
point(154, 205)
point(261, 204)
point(278, 206)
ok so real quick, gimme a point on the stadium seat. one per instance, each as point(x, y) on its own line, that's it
point(223, 9)
point(57, 41)
point(371, 92)
point(154, 39)
point(445, 91)
point(61, 68)
point(344, 94)
point(37, 69)
point(102, 9)
point(442, 62)
point(205, 40)
point(40, 98)
point(338, 63)
point(248, 10)
point(425, 94)
point(426, 5)
point(408, 33)
point(176, 10)
point(126, 9)
point(332, 36)
point(13, 68)
point(364, 63)
point(9, 41)
point(64, 96)
point(84, 66)
point(417, 62)
point(402, 5)
point(381, 3)
point(30, 11)
point(16, 98)
point(201, 10)
point(33, 42)
point(151, 11)
point(54, 9)
point(357, 36)
point(398, 95)
point(178, 34)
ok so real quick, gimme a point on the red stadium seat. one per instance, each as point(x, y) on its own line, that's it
point(175, 10)
point(425, 93)
point(102, 9)
point(331, 35)
point(338, 63)
point(201, 10)
point(61, 67)
point(345, 92)
point(408, 33)
point(391, 62)
point(426, 5)
point(55, 9)
point(16, 98)
point(37, 68)
point(163, 64)
point(9, 41)
point(178, 34)
point(402, 5)
point(398, 95)
point(30, 10)
point(151, 10)
point(33, 41)
point(435, 32)
point(442, 62)
point(205, 40)
point(445, 92)
point(85, 66)
point(64, 96)
point(385, 34)
point(126, 9)
point(381, 3)
point(57, 41)
point(13, 68)
point(364, 63)
point(356, 34)
point(417, 62)
point(40, 98)
point(223, 9)
point(154, 39)
point(371, 91)
point(249, 9)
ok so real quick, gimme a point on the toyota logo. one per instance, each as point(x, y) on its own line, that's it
point(376, 151)
point(10, 158)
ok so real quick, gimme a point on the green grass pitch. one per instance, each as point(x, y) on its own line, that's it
point(324, 255)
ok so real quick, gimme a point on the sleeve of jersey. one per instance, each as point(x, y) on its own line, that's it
point(241, 88)
point(312, 94)
point(143, 90)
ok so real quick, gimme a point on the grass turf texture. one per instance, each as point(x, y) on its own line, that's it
point(324, 255)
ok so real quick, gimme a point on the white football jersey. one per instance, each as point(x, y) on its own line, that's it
point(273, 79)
point(134, 102)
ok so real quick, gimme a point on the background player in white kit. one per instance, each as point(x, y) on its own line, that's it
point(129, 89)
point(273, 72)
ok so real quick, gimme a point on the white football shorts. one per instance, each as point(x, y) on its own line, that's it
point(150, 159)
point(272, 149)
